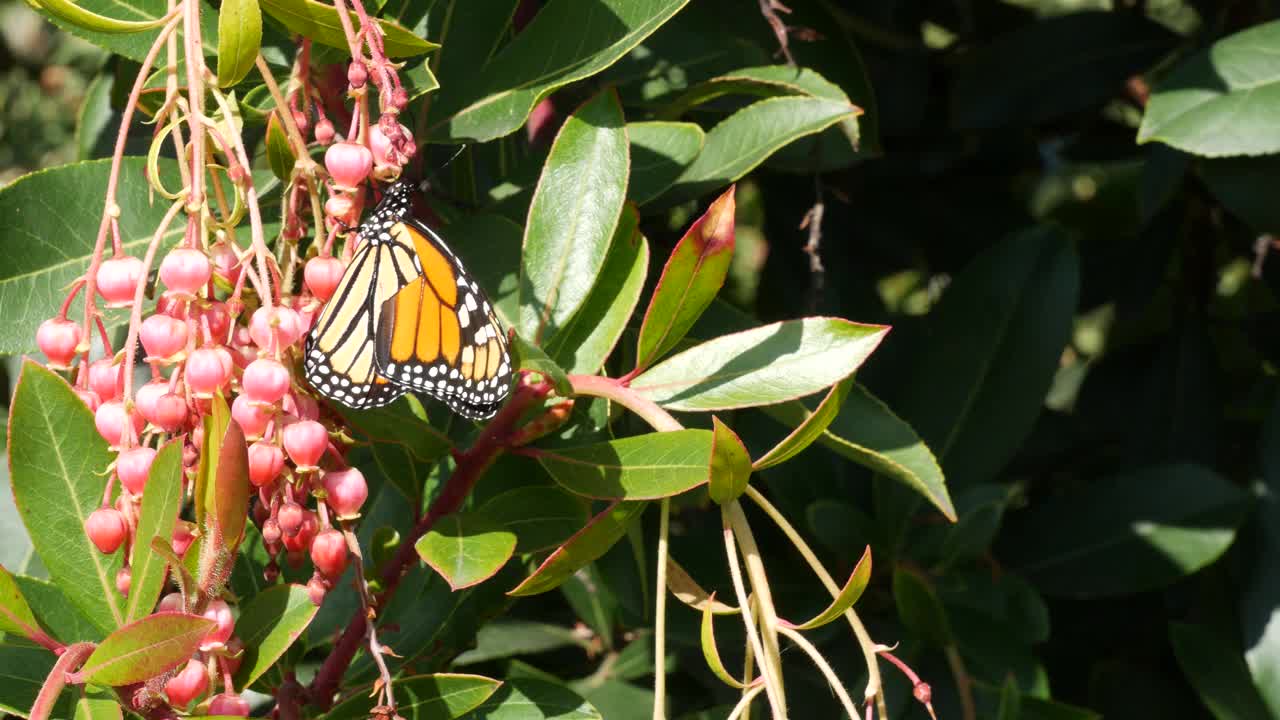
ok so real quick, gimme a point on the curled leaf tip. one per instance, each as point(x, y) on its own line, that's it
point(718, 223)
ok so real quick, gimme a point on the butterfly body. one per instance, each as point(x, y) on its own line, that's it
point(408, 317)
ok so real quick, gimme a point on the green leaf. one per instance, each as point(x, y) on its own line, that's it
point(810, 426)
point(989, 351)
point(1084, 56)
point(58, 459)
point(742, 141)
point(98, 709)
point(56, 612)
point(69, 15)
point(531, 357)
point(920, 609)
point(762, 366)
point(541, 517)
point(280, 157)
point(586, 545)
point(690, 280)
point(589, 337)
point(15, 614)
point(403, 423)
point(532, 699)
point(227, 501)
point(1220, 101)
point(269, 624)
point(1239, 183)
point(660, 151)
point(730, 464)
point(710, 652)
point(761, 81)
point(1126, 534)
point(215, 429)
point(160, 505)
point(65, 203)
point(442, 696)
point(87, 19)
point(239, 39)
point(23, 670)
point(1256, 606)
point(647, 467)
point(146, 648)
point(321, 23)
point(1217, 671)
point(688, 591)
point(867, 432)
point(542, 57)
point(573, 215)
point(509, 637)
point(466, 548)
point(848, 595)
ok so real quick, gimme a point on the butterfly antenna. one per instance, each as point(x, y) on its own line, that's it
point(455, 155)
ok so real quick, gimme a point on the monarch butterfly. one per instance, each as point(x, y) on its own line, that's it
point(407, 316)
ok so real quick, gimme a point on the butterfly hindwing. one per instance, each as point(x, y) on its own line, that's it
point(438, 335)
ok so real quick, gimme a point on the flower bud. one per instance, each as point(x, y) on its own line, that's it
point(185, 271)
point(118, 280)
point(58, 338)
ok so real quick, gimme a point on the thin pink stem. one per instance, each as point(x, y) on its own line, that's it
point(135, 312)
point(614, 390)
point(71, 658)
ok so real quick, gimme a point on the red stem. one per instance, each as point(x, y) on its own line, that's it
point(70, 659)
point(471, 464)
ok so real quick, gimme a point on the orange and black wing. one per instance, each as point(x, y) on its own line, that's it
point(439, 335)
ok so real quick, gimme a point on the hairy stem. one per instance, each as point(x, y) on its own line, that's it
point(825, 667)
point(771, 660)
point(70, 659)
point(744, 606)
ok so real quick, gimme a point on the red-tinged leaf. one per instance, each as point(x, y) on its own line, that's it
point(229, 498)
point(848, 595)
point(809, 430)
point(268, 625)
point(693, 275)
point(15, 614)
point(730, 464)
point(160, 505)
point(585, 546)
point(146, 648)
point(709, 649)
point(466, 548)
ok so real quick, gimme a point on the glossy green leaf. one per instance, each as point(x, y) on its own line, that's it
point(35, 276)
point(76, 14)
point(280, 157)
point(531, 357)
point(161, 502)
point(466, 548)
point(543, 57)
point(509, 637)
point(320, 22)
point(690, 280)
point(269, 624)
point(533, 699)
point(215, 429)
point(443, 696)
point(403, 423)
point(710, 652)
point(586, 545)
point(848, 595)
point(56, 613)
point(23, 670)
point(646, 467)
point(920, 609)
point(589, 337)
point(1220, 101)
point(1034, 708)
point(1126, 534)
point(15, 614)
point(474, 30)
point(989, 351)
point(762, 366)
point(239, 39)
point(98, 709)
point(1084, 56)
point(145, 648)
point(660, 151)
point(749, 136)
point(761, 81)
point(730, 464)
point(573, 215)
point(133, 45)
point(541, 517)
point(1257, 608)
point(1217, 671)
point(811, 426)
point(57, 459)
point(1239, 183)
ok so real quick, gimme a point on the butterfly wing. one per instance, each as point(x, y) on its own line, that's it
point(439, 335)
point(338, 356)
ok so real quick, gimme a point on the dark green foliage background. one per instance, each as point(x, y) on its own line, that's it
point(1077, 337)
